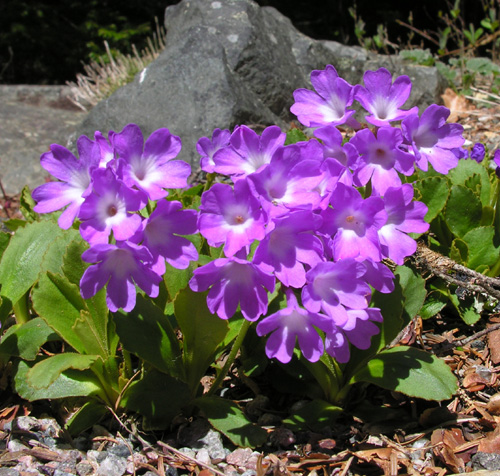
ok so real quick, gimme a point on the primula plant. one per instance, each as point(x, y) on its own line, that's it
point(131, 284)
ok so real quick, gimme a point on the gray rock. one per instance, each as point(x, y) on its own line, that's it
point(119, 450)
point(112, 466)
point(212, 442)
point(84, 469)
point(8, 472)
point(232, 62)
point(489, 461)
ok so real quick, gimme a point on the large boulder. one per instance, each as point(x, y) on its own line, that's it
point(230, 62)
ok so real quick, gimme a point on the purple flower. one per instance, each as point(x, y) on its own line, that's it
point(460, 152)
point(108, 208)
point(332, 139)
point(106, 149)
point(496, 160)
point(353, 223)
point(358, 330)
point(381, 159)
point(291, 324)
point(382, 98)
point(232, 282)
point(231, 216)
point(120, 266)
point(328, 105)
point(160, 234)
point(207, 148)
point(290, 245)
point(379, 276)
point(249, 152)
point(335, 286)
point(149, 166)
point(75, 176)
point(291, 179)
point(432, 140)
point(403, 216)
point(477, 153)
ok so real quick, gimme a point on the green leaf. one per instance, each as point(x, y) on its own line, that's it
point(434, 193)
point(315, 416)
point(25, 340)
point(459, 251)
point(53, 257)
point(4, 242)
point(72, 383)
point(398, 309)
point(465, 308)
point(177, 279)
point(47, 371)
point(463, 210)
point(146, 332)
point(85, 417)
point(410, 371)
point(158, 397)
point(295, 135)
point(414, 291)
point(13, 224)
point(488, 216)
point(202, 333)
point(434, 303)
point(474, 176)
point(482, 250)
point(25, 255)
point(26, 205)
point(83, 327)
point(73, 265)
point(229, 419)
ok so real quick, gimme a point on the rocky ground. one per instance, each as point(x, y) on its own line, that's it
point(32, 118)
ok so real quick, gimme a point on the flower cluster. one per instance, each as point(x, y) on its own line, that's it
point(105, 188)
point(314, 219)
point(294, 215)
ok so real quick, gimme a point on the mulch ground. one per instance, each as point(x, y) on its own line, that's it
point(411, 437)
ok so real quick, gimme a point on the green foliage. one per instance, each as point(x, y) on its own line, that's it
point(463, 214)
point(315, 416)
point(410, 371)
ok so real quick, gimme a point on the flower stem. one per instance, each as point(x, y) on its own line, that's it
point(232, 356)
point(21, 310)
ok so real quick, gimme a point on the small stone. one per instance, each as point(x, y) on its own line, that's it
point(230, 470)
point(212, 442)
point(8, 472)
point(16, 445)
point(134, 460)
point(239, 457)
point(489, 461)
point(190, 453)
point(50, 427)
point(84, 469)
point(112, 466)
point(249, 472)
point(26, 423)
point(59, 472)
point(97, 456)
point(120, 450)
point(203, 456)
point(171, 471)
